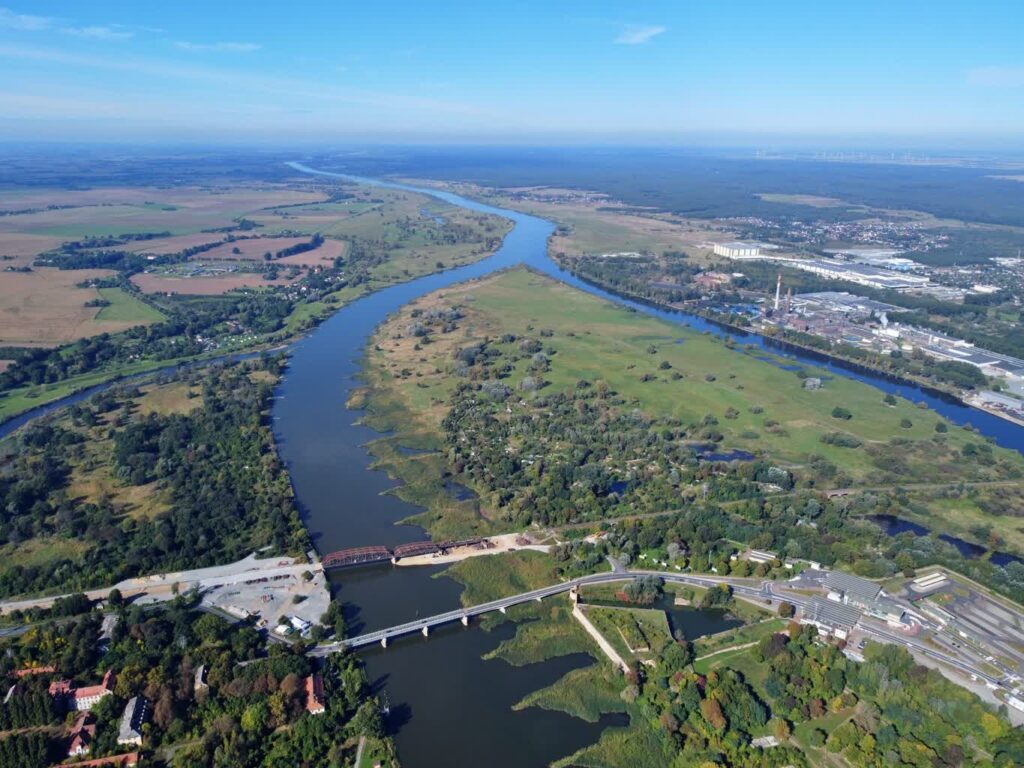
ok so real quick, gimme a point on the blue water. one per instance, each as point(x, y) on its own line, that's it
point(894, 526)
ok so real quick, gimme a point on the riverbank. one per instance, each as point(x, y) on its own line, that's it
point(491, 545)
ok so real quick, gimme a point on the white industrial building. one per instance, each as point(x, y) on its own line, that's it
point(830, 617)
point(737, 250)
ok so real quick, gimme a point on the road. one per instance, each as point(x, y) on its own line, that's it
point(752, 590)
point(161, 586)
point(740, 587)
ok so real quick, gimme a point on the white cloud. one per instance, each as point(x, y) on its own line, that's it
point(219, 47)
point(24, 21)
point(637, 34)
point(100, 33)
point(997, 77)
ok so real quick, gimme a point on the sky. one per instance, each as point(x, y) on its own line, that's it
point(513, 71)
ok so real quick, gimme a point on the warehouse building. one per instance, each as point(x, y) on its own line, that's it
point(738, 250)
point(831, 618)
point(845, 588)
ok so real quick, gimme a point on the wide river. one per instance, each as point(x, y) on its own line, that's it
point(449, 706)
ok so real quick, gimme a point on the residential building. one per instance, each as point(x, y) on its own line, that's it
point(129, 760)
point(136, 714)
point(315, 703)
point(83, 733)
point(76, 699)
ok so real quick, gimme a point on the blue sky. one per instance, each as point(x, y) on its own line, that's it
point(510, 71)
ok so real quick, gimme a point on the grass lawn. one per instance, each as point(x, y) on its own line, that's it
point(828, 723)
point(174, 397)
point(638, 746)
point(125, 308)
point(41, 551)
point(742, 660)
point(377, 753)
point(750, 633)
point(634, 633)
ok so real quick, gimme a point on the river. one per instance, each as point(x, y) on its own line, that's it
point(449, 706)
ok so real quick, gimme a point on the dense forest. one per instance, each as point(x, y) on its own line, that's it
point(700, 184)
point(215, 467)
point(887, 711)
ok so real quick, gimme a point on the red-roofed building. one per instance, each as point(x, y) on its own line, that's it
point(33, 671)
point(117, 761)
point(83, 732)
point(80, 699)
point(315, 695)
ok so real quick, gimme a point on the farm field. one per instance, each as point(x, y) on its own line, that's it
point(126, 308)
point(206, 285)
point(45, 307)
point(253, 249)
point(116, 210)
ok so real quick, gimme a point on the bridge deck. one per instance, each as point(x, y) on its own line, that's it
point(450, 617)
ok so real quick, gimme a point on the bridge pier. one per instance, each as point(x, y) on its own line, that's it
point(502, 609)
point(383, 642)
point(426, 631)
point(465, 621)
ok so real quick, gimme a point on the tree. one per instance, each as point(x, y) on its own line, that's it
point(254, 718)
point(712, 712)
point(786, 610)
point(676, 657)
point(368, 720)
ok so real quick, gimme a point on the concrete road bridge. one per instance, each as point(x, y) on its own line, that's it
point(762, 591)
